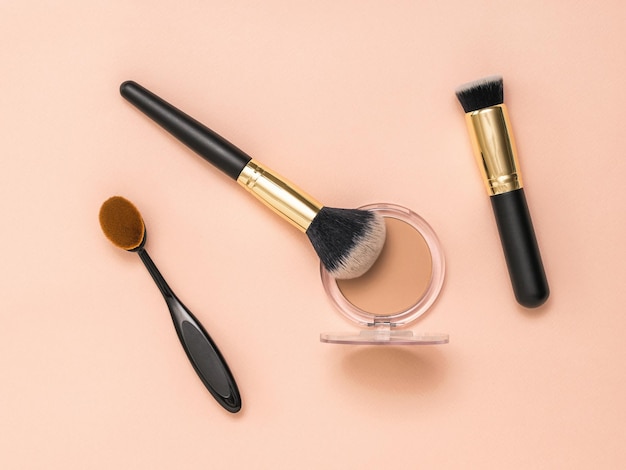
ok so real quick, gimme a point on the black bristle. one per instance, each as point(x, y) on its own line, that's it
point(338, 235)
point(339, 229)
point(480, 94)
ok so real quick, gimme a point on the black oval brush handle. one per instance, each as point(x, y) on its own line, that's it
point(202, 352)
point(521, 252)
point(202, 140)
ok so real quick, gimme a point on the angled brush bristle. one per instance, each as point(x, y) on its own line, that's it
point(348, 241)
point(482, 93)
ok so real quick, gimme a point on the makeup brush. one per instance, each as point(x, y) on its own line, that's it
point(347, 241)
point(488, 123)
point(122, 224)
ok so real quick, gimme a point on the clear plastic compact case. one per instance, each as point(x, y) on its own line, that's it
point(390, 329)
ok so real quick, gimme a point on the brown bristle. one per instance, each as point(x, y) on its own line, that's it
point(121, 223)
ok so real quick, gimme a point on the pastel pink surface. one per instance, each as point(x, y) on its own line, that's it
point(355, 102)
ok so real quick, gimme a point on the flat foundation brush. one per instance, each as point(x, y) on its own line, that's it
point(494, 148)
point(347, 241)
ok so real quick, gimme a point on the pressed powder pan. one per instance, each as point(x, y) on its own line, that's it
point(400, 287)
point(399, 279)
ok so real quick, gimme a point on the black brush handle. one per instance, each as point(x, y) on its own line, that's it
point(202, 140)
point(201, 350)
point(521, 252)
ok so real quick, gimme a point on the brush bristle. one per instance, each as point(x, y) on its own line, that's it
point(121, 223)
point(482, 93)
point(348, 241)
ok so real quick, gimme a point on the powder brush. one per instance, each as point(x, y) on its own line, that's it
point(347, 241)
point(123, 225)
point(492, 139)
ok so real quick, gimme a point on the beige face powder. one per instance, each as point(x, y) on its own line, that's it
point(400, 276)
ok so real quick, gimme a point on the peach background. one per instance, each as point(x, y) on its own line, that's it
point(354, 101)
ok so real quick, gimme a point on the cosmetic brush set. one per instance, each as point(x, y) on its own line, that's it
point(347, 241)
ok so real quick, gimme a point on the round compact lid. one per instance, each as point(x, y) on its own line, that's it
point(385, 337)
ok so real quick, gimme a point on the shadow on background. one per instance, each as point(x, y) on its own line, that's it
point(406, 370)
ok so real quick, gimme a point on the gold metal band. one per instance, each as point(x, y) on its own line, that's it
point(280, 195)
point(494, 149)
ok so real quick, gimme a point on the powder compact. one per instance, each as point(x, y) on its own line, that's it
point(400, 287)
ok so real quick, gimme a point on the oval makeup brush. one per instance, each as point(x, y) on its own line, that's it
point(347, 241)
point(122, 224)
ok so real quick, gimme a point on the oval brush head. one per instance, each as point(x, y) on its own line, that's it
point(122, 224)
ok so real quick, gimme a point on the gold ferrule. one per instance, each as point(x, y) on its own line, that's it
point(494, 149)
point(280, 195)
